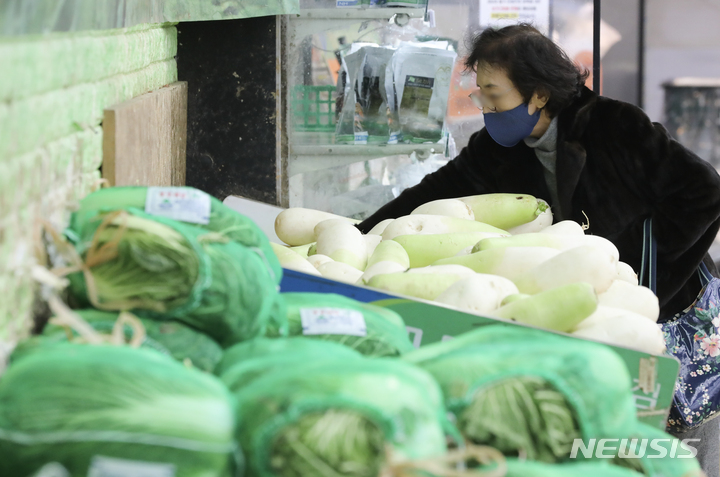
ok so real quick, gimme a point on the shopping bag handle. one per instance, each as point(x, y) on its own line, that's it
point(648, 266)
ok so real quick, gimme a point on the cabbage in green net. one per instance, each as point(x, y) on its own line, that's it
point(528, 468)
point(385, 331)
point(634, 452)
point(249, 360)
point(165, 269)
point(69, 403)
point(532, 398)
point(522, 415)
point(223, 219)
point(169, 337)
point(336, 418)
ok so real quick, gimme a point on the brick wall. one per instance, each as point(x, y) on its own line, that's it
point(53, 89)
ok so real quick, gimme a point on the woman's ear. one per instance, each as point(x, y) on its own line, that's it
point(538, 101)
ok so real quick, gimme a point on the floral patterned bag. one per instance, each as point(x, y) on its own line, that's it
point(693, 337)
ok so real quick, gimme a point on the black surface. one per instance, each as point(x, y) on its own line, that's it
point(230, 69)
point(597, 72)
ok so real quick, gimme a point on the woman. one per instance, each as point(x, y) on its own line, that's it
point(594, 159)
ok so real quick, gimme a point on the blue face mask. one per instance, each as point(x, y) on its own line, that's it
point(508, 128)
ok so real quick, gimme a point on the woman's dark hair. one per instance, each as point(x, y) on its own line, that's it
point(532, 61)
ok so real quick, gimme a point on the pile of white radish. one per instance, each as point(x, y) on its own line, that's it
point(497, 255)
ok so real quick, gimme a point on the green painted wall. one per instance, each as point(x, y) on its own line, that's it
point(53, 91)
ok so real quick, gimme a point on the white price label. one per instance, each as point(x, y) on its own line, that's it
point(361, 137)
point(332, 321)
point(102, 466)
point(179, 203)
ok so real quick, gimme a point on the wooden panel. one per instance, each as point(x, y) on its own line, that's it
point(144, 139)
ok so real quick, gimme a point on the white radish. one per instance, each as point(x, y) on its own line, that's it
point(302, 250)
point(626, 296)
point(465, 251)
point(318, 259)
point(448, 207)
point(592, 265)
point(560, 308)
point(389, 250)
point(478, 293)
point(602, 242)
point(426, 286)
point(626, 273)
point(339, 271)
point(560, 242)
point(344, 243)
point(545, 219)
point(326, 224)
point(622, 328)
point(505, 210)
point(424, 249)
point(458, 270)
point(510, 262)
point(379, 227)
point(380, 268)
point(296, 225)
point(435, 224)
point(515, 297)
point(565, 227)
point(292, 260)
point(372, 241)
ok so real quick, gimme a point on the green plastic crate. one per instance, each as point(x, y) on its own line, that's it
point(313, 108)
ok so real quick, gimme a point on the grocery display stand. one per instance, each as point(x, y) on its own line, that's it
point(308, 134)
point(427, 322)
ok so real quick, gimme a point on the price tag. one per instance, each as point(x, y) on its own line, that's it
point(179, 203)
point(646, 374)
point(102, 466)
point(361, 137)
point(332, 321)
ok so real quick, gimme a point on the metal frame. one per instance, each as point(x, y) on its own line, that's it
point(597, 17)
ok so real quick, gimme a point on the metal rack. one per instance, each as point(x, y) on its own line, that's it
point(304, 151)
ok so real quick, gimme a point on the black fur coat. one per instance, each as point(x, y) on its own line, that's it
point(613, 165)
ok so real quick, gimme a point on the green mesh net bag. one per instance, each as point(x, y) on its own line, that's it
point(528, 468)
point(170, 337)
point(532, 398)
point(221, 218)
point(164, 269)
point(369, 329)
point(483, 461)
point(339, 418)
point(74, 404)
point(249, 360)
point(655, 453)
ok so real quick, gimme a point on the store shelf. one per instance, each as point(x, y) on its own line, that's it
point(312, 20)
point(358, 14)
point(309, 158)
